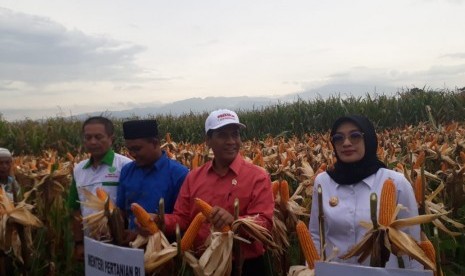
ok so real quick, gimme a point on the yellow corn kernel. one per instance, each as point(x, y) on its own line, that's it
point(388, 202)
point(306, 244)
point(206, 209)
point(144, 218)
point(188, 239)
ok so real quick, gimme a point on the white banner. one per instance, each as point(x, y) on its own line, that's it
point(103, 259)
point(330, 269)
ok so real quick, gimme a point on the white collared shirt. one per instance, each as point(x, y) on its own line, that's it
point(342, 221)
point(105, 176)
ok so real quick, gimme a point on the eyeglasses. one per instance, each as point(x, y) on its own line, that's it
point(354, 138)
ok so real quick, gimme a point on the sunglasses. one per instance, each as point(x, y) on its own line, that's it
point(354, 138)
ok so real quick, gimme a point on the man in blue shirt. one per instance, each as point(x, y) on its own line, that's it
point(152, 175)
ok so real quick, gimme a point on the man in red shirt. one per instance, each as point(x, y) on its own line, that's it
point(219, 182)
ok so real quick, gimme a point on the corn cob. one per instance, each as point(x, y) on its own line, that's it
point(428, 248)
point(192, 231)
point(144, 218)
point(418, 189)
point(275, 188)
point(388, 202)
point(322, 168)
point(380, 152)
point(281, 148)
point(258, 159)
point(291, 154)
point(285, 161)
point(70, 157)
point(420, 160)
point(284, 191)
point(206, 209)
point(462, 156)
point(307, 245)
point(195, 160)
point(102, 195)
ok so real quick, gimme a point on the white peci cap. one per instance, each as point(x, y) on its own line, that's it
point(4, 152)
point(220, 118)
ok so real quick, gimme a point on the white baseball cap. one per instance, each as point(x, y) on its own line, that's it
point(4, 152)
point(220, 118)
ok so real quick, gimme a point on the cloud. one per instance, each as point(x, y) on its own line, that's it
point(454, 55)
point(36, 50)
point(358, 81)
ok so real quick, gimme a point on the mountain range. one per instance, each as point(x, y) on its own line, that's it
point(201, 105)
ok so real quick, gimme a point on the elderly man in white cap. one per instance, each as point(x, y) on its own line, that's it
point(219, 182)
point(7, 182)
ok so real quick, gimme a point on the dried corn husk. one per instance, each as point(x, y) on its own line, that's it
point(11, 218)
point(393, 238)
point(217, 258)
point(300, 270)
point(95, 224)
point(251, 229)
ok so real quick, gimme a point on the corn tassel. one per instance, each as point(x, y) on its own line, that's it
point(144, 218)
point(206, 209)
point(102, 195)
point(388, 202)
point(307, 245)
point(191, 233)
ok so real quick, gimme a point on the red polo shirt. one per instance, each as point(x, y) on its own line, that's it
point(250, 183)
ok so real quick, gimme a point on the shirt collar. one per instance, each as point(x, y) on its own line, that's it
point(107, 159)
point(369, 181)
point(161, 161)
point(234, 166)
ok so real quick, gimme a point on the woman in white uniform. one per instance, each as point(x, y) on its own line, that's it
point(347, 187)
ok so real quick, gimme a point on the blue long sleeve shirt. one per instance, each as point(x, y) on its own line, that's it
point(146, 186)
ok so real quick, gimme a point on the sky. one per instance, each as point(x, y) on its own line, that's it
point(60, 58)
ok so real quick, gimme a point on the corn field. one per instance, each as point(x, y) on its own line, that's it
point(421, 134)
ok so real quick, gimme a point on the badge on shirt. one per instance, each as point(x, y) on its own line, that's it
point(333, 201)
point(234, 182)
point(112, 169)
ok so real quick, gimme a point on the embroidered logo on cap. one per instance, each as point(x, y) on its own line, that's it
point(225, 116)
